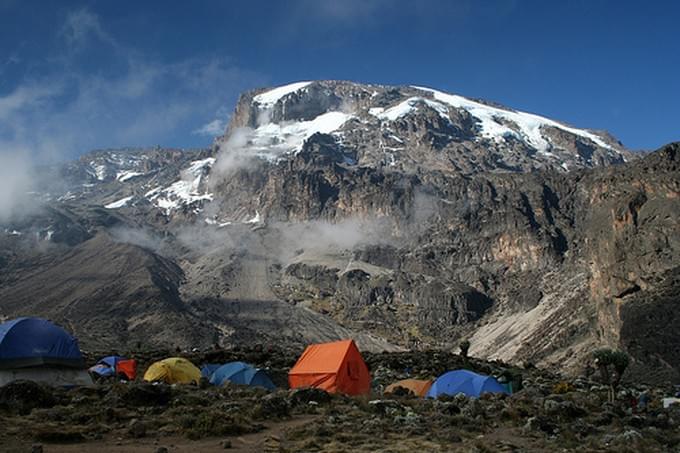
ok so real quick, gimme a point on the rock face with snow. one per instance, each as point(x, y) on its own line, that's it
point(407, 129)
point(402, 216)
point(162, 185)
point(487, 217)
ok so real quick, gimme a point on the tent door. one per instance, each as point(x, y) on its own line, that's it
point(353, 370)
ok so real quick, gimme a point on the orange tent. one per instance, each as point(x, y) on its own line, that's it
point(128, 368)
point(418, 387)
point(334, 367)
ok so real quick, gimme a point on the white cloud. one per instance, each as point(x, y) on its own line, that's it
point(81, 26)
point(16, 180)
point(143, 102)
point(26, 96)
point(69, 109)
point(212, 129)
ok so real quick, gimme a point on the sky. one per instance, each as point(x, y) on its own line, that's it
point(82, 75)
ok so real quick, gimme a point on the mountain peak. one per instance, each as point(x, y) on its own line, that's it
point(406, 127)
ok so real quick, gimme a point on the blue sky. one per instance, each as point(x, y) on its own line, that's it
point(78, 75)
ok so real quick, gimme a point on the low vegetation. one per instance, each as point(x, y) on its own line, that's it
point(549, 413)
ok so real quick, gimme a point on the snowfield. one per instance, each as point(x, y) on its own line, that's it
point(185, 191)
point(529, 125)
point(272, 140)
point(269, 98)
point(408, 106)
point(126, 175)
point(120, 203)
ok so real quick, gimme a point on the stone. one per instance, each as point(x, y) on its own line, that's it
point(386, 407)
point(552, 407)
point(275, 404)
point(136, 429)
point(629, 437)
point(308, 395)
point(539, 423)
point(473, 409)
point(20, 397)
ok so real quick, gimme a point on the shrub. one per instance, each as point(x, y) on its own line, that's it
point(562, 387)
point(464, 348)
point(612, 364)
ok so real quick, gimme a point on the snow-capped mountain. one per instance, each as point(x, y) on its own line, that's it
point(409, 128)
point(397, 215)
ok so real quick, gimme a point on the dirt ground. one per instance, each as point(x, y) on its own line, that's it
point(271, 437)
point(548, 413)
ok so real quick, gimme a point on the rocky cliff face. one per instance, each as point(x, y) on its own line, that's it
point(404, 216)
point(633, 251)
point(494, 224)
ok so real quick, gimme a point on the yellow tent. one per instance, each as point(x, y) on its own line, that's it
point(174, 370)
point(417, 387)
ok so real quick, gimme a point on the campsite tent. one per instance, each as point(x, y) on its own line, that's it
point(37, 350)
point(416, 386)
point(466, 382)
point(113, 366)
point(174, 370)
point(334, 367)
point(241, 373)
point(208, 369)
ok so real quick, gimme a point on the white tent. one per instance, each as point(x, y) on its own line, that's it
point(668, 401)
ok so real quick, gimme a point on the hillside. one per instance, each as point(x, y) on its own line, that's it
point(403, 216)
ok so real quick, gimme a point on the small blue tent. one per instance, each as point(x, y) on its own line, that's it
point(464, 381)
point(27, 342)
point(208, 369)
point(241, 373)
point(106, 367)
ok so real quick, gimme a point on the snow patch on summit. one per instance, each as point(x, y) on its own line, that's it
point(271, 97)
point(529, 125)
point(273, 141)
point(408, 106)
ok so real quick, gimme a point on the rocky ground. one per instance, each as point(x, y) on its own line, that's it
point(550, 413)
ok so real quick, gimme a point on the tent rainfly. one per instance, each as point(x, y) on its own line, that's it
point(35, 349)
point(466, 382)
point(173, 370)
point(335, 367)
point(115, 366)
point(243, 374)
point(416, 386)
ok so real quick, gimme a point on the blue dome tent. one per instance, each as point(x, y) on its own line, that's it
point(37, 350)
point(466, 382)
point(106, 367)
point(208, 369)
point(241, 373)
point(34, 341)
